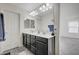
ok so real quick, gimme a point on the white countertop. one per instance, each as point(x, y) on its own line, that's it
point(41, 35)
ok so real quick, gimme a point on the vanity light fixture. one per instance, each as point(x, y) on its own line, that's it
point(49, 6)
point(33, 13)
point(42, 8)
point(45, 7)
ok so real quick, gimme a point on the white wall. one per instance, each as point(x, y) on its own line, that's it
point(69, 43)
point(69, 12)
point(36, 19)
point(46, 20)
point(12, 31)
point(10, 8)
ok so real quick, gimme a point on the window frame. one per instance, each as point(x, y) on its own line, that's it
point(73, 27)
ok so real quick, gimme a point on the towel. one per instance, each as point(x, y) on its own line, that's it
point(2, 33)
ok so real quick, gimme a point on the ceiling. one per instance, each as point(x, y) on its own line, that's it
point(28, 6)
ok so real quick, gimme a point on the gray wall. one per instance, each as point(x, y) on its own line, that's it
point(68, 42)
point(68, 12)
point(69, 46)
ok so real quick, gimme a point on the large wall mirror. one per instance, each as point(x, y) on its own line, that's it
point(29, 23)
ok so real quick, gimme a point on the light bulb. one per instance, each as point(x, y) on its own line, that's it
point(43, 6)
point(47, 4)
point(40, 8)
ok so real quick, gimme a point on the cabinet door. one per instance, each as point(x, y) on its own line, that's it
point(38, 52)
point(12, 27)
point(33, 41)
point(44, 40)
point(24, 39)
point(28, 42)
point(41, 48)
point(29, 46)
point(33, 49)
point(28, 39)
point(28, 35)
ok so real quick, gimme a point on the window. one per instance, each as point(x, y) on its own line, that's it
point(73, 27)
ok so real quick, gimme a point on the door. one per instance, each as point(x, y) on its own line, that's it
point(12, 30)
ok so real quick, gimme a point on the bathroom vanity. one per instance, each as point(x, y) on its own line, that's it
point(39, 44)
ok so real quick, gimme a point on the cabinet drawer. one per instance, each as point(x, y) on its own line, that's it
point(28, 35)
point(41, 45)
point(38, 52)
point(33, 42)
point(32, 37)
point(43, 48)
point(44, 40)
point(28, 40)
point(33, 49)
point(29, 46)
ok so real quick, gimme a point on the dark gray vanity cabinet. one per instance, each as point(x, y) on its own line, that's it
point(37, 45)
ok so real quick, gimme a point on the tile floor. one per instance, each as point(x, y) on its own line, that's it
point(18, 51)
point(25, 52)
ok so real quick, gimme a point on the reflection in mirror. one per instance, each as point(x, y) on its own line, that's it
point(32, 24)
point(26, 23)
point(29, 23)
